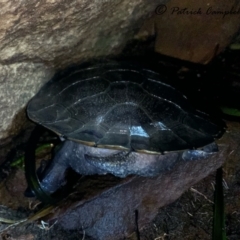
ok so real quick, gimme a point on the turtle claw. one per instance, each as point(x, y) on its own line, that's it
point(205, 152)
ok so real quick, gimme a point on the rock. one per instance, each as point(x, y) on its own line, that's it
point(18, 83)
point(38, 35)
point(193, 31)
point(106, 209)
point(59, 32)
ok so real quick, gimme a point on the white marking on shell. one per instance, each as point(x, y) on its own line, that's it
point(160, 126)
point(138, 130)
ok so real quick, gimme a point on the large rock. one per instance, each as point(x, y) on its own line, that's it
point(193, 31)
point(18, 83)
point(38, 35)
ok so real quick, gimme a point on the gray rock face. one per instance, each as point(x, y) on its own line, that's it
point(47, 30)
point(18, 83)
point(56, 33)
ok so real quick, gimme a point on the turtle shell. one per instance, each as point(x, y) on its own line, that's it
point(122, 106)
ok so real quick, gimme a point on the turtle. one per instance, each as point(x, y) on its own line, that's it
point(120, 118)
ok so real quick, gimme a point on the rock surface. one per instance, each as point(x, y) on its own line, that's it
point(37, 35)
point(107, 208)
point(18, 83)
point(193, 31)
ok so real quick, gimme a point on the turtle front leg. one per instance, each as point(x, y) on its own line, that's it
point(54, 176)
point(71, 155)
